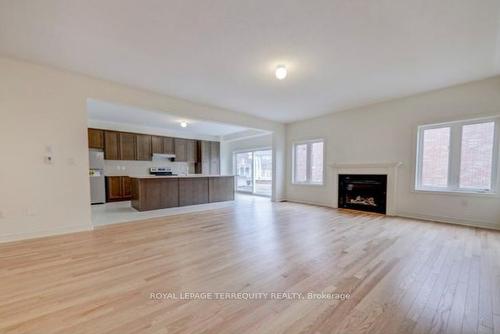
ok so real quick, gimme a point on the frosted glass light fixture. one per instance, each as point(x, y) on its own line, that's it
point(281, 72)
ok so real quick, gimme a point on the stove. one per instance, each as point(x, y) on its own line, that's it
point(161, 171)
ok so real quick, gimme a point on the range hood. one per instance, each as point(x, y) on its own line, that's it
point(158, 156)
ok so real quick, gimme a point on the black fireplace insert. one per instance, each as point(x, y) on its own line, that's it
point(363, 192)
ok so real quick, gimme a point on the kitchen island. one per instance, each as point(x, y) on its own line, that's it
point(161, 192)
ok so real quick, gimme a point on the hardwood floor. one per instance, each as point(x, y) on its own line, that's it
point(403, 276)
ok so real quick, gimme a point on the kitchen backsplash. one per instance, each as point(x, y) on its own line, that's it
point(141, 168)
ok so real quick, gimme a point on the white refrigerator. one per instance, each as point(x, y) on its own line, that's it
point(96, 174)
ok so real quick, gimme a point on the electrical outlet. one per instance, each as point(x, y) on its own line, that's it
point(49, 160)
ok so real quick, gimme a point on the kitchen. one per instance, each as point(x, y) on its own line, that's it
point(155, 172)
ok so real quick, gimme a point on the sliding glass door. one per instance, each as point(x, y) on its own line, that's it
point(263, 172)
point(244, 171)
point(253, 171)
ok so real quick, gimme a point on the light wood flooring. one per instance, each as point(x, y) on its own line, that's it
point(404, 276)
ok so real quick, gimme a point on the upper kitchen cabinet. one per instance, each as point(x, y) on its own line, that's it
point(111, 145)
point(215, 158)
point(168, 145)
point(203, 165)
point(180, 149)
point(157, 145)
point(96, 138)
point(136, 146)
point(191, 151)
point(127, 146)
point(143, 147)
point(162, 145)
point(208, 161)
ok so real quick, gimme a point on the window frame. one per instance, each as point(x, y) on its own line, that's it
point(454, 161)
point(309, 144)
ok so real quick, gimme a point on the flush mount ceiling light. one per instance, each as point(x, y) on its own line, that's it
point(281, 72)
point(183, 124)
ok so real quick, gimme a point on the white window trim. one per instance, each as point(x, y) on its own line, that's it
point(455, 157)
point(308, 165)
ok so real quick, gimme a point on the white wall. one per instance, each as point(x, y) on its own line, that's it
point(386, 132)
point(227, 148)
point(41, 106)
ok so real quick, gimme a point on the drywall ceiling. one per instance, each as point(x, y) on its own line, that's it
point(340, 53)
point(101, 112)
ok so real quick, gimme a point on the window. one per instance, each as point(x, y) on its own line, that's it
point(458, 156)
point(435, 157)
point(308, 162)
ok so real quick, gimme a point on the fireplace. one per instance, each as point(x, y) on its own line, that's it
point(363, 192)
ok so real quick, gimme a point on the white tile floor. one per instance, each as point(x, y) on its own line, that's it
point(121, 212)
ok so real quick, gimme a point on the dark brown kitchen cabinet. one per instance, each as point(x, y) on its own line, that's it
point(118, 188)
point(203, 164)
point(180, 149)
point(221, 189)
point(191, 150)
point(193, 191)
point(111, 145)
point(96, 138)
point(127, 146)
point(156, 145)
point(214, 158)
point(126, 188)
point(208, 162)
point(168, 145)
point(143, 147)
point(155, 193)
point(114, 190)
point(136, 146)
point(162, 145)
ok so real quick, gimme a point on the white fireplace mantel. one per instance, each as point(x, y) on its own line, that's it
point(367, 165)
point(384, 168)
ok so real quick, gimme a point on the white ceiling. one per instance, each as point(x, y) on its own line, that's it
point(100, 112)
point(340, 53)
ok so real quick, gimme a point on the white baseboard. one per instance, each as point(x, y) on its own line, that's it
point(45, 233)
point(450, 220)
point(447, 220)
point(309, 203)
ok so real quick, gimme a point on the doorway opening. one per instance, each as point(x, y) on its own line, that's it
point(253, 170)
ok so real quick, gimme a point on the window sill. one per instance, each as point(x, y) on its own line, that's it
point(457, 193)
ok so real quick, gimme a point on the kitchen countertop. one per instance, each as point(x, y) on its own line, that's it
point(175, 176)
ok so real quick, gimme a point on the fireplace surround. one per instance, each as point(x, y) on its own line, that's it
point(364, 192)
point(389, 168)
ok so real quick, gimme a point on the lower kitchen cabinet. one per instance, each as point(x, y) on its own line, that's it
point(152, 193)
point(155, 193)
point(193, 191)
point(221, 189)
point(118, 188)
